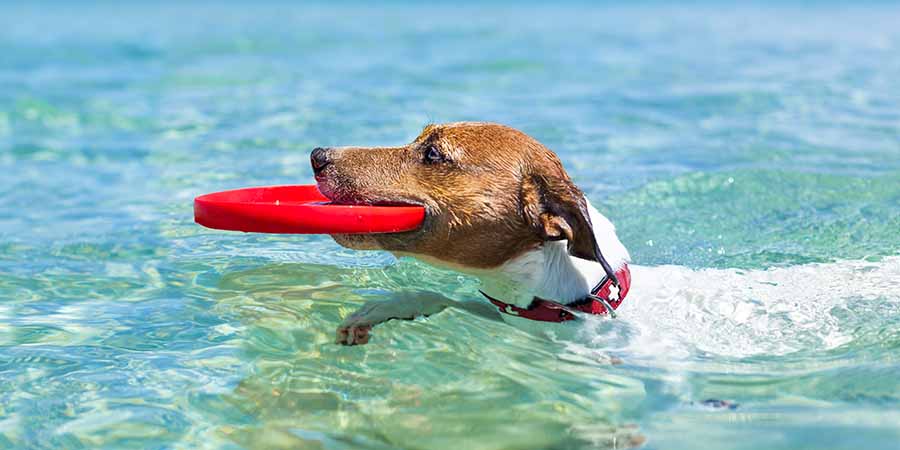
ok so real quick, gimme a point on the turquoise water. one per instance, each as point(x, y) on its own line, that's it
point(754, 152)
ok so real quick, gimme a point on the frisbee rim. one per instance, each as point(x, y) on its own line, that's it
point(303, 210)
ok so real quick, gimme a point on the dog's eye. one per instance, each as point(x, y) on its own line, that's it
point(433, 155)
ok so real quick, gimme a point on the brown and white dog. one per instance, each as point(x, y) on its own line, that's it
point(499, 206)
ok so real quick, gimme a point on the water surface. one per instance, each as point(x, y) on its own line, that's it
point(753, 149)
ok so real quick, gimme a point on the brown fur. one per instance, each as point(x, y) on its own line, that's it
point(496, 194)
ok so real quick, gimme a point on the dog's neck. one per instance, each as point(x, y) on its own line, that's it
point(551, 273)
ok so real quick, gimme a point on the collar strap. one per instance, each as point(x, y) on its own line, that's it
point(598, 302)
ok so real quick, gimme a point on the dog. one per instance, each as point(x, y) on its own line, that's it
point(500, 207)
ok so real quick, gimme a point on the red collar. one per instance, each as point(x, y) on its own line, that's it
point(550, 311)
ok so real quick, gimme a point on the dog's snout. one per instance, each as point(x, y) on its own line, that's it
point(319, 159)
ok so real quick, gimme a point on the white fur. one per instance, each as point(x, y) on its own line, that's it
point(550, 272)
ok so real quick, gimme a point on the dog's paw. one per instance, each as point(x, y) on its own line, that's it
point(405, 306)
point(354, 330)
point(353, 334)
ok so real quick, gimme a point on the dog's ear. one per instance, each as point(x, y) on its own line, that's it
point(556, 209)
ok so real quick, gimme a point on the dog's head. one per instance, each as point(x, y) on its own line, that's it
point(490, 193)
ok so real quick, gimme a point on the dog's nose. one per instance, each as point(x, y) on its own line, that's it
point(319, 159)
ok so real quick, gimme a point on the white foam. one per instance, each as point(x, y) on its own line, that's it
point(675, 312)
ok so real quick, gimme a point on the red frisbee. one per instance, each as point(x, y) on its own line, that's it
point(299, 209)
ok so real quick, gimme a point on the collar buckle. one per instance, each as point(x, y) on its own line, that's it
point(605, 303)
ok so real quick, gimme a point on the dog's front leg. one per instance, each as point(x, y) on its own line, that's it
point(354, 330)
point(407, 305)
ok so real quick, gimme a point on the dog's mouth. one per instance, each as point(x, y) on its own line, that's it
point(342, 196)
point(369, 202)
point(353, 198)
